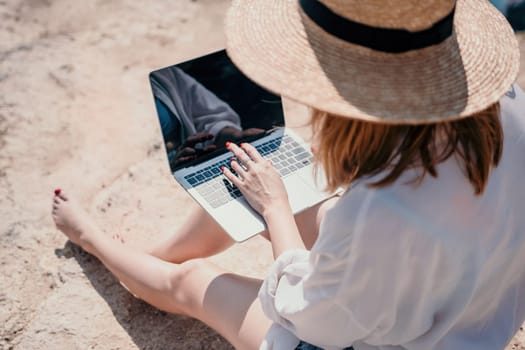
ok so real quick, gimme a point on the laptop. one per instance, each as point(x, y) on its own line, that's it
point(204, 102)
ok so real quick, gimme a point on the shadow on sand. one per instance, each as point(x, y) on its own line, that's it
point(149, 328)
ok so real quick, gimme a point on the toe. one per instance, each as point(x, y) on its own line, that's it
point(62, 195)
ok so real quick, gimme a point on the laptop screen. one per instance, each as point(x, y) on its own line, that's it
point(204, 102)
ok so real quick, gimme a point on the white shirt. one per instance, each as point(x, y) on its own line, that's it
point(431, 266)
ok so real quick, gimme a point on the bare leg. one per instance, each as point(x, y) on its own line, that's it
point(226, 302)
point(81, 230)
point(200, 236)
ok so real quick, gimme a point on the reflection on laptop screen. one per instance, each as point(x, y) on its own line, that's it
point(207, 101)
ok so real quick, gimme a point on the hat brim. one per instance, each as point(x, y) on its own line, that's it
point(280, 48)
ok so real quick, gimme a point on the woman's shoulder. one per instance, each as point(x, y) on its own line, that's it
point(513, 110)
point(512, 167)
point(403, 209)
point(362, 209)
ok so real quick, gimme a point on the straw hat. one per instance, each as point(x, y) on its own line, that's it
point(391, 61)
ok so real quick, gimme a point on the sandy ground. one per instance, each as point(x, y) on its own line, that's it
point(76, 112)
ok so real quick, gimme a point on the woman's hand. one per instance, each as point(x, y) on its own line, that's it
point(256, 178)
point(263, 188)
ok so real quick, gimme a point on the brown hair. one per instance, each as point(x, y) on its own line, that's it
point(350, 149)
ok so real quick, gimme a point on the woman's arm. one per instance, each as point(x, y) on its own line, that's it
point(264, 190)
point(282, 229)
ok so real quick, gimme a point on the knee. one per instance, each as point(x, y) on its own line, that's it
point(187, 282)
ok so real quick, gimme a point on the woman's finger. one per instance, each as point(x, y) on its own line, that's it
point(252, 152)
point(230, 176)
point(181, 160)
point(197, 138)
point(240, 154)
point(238, 169)
point(209, 149)
point(186, 152)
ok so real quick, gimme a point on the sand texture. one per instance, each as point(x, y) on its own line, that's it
point(76, 112)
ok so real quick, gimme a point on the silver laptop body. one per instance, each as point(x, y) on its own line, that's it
point(210, 88)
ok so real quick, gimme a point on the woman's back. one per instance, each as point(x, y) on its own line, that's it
point(431, 266)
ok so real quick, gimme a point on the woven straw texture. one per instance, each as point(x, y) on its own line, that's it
point(405, 14)
point(279, 47)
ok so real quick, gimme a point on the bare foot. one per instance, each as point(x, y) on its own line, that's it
point(73, 221)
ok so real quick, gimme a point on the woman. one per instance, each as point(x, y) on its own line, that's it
point(423, 249)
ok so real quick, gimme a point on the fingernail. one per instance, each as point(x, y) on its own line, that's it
point(312, 148)
point(242, 144)
point(57, 191)
point(228, 143)
point(222, 168)
point(232, 159)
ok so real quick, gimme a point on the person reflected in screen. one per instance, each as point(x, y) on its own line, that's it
point(193, 120)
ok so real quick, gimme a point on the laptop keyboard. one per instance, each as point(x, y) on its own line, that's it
point(285, 154)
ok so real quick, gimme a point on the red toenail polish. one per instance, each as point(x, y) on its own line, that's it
point(57, 191)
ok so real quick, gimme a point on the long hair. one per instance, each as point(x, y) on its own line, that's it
point(350, 149)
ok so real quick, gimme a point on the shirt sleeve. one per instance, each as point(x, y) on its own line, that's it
point(300, 295)
point(370, 278)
